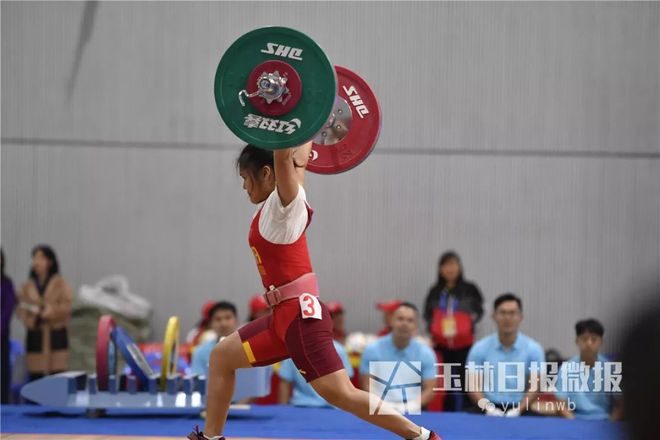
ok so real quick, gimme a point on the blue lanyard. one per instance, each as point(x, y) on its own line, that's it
point(444, 299)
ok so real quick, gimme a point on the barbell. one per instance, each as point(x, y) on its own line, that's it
point(275, 88)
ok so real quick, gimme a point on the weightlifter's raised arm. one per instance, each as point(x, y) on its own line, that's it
point(290, 166)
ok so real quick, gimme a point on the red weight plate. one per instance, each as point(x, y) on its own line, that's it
point(289, 99)
point(103, 342)
point(360, 132)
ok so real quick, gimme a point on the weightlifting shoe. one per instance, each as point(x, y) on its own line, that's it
point(434, 436)
point(199, 435)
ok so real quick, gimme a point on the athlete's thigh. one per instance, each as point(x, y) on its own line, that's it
point(310, 345)
point(260, 343)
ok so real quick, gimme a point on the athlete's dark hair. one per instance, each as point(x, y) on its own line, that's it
point(254, 159)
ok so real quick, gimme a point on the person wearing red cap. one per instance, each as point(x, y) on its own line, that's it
point(300, 325)
point(336, 310)
point(388, 308)
point(201, 333)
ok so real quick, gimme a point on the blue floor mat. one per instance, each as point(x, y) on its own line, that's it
point(288, 422)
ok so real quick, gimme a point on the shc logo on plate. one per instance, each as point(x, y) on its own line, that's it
point(356, 101)
point(283, 51)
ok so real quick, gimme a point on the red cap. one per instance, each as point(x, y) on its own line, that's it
point(206, 308)
point(389, 306)
point(334, 307)
point(257, 304)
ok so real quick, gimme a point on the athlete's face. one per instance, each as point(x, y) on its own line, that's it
point(258, 185)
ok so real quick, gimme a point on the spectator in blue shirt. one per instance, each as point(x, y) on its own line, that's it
point(591, 404)
point(402, 345)
point(509, 353)
point(223, 321)
point(303, 393)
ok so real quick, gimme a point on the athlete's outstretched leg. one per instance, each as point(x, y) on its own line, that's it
point(338, 390)
point(226, 358)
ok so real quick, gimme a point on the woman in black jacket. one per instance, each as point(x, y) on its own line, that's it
point(453, 306)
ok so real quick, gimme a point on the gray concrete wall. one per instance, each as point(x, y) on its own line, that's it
point(524, 135)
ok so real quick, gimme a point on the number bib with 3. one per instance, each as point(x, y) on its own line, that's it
point(310, 307)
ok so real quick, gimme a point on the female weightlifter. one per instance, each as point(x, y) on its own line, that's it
point(299, 326)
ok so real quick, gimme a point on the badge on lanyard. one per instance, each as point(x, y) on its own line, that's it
point(448, 321)
point(448, 326)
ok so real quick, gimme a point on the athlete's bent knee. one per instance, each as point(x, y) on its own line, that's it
point(333, 394)
point(221, 356)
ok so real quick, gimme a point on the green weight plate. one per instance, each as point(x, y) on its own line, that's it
point(317, 75)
